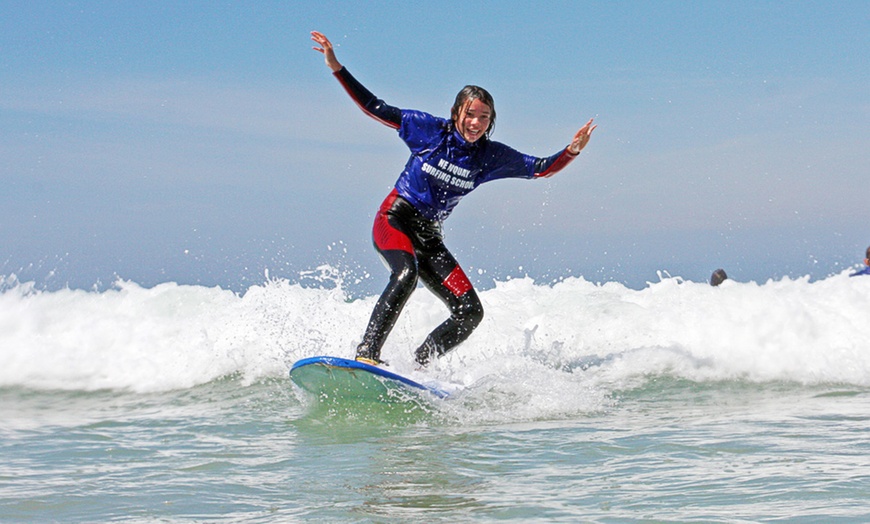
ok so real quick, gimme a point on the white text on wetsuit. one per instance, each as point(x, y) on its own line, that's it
point(458, 179)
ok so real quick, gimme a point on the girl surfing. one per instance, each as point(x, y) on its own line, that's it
point(450, 157)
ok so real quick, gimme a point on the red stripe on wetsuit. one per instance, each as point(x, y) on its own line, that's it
point(457, 282)
point(561, 161)
point(369, 103)
point(387, 237)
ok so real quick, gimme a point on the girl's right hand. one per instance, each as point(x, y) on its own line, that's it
point(326, 49)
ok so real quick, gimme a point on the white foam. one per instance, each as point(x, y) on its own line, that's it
point(572, 336)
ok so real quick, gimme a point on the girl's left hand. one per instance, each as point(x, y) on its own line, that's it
point(581, 138)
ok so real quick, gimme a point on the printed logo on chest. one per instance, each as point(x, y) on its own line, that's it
point(450, 175)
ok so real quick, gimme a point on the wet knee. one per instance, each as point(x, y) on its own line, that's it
point(406, 277)
point(470, 314)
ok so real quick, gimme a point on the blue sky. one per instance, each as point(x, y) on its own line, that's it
point(205, 142)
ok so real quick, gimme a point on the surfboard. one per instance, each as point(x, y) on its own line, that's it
point(326, 377)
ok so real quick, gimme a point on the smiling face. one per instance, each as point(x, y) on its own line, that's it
point(473, 113)
point(473, 120)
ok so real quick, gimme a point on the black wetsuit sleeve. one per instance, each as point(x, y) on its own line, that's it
point(369, 103)
point(551, 165)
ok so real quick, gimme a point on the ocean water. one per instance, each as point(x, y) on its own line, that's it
point(575, 402)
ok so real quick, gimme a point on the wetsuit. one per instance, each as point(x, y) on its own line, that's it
point(865, 271)
point(443, 167)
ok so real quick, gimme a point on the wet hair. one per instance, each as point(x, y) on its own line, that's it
point(868, 253)
point(465, 96)
point(718, 277)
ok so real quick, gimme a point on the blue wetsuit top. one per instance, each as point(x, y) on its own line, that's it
point(865, 271)
point(443, 166)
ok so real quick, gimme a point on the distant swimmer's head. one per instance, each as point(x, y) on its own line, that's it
point(718, 277)
point(867, 257)
point(473, 113)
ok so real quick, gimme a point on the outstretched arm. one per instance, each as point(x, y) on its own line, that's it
point(327, 50)
point(547, 167)
point(374, 107)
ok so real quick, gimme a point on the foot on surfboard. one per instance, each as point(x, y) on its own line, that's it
point(371, 361)
point(366, 356)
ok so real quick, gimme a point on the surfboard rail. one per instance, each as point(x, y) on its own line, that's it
point(300, 375)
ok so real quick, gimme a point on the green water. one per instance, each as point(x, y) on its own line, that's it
point(666, 451)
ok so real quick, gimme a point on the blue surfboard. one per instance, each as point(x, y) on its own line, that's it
point(334, 376)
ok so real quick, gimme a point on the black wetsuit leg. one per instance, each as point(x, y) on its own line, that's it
point(412, 246)
point(403, 281)
point(441, 274)
point(393, 243)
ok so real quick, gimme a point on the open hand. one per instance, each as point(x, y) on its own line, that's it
point(581, 138)
point(326, 49)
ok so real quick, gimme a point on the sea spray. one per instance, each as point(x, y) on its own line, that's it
point(535, 341)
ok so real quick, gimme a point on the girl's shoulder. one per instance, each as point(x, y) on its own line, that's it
point(422, 118)
point(419, 127)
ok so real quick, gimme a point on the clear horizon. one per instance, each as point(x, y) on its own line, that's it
point(206, 143)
